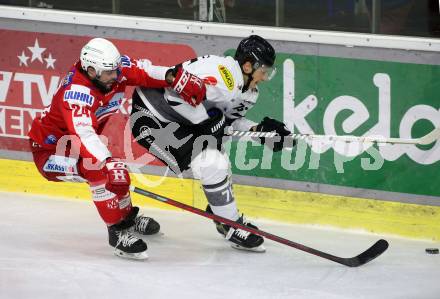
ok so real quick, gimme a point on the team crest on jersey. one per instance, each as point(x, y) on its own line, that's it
point(227, 77)
point(67, 79)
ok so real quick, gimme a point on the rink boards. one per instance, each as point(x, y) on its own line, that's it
point(326, 83)
point(382, 217)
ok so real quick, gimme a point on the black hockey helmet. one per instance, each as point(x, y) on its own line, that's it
point(256, 50)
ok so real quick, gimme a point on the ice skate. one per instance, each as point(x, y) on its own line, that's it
point(240, 239)
point(125, 244)
point(142, 224)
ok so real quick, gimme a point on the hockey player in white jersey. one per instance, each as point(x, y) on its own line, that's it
point(189, 136)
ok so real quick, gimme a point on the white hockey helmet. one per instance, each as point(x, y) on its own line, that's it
point(100, 54)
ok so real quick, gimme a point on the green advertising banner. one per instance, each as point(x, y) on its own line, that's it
point(326, 95)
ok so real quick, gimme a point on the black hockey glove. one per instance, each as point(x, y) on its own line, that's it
point(272, 125)
point(214, 125)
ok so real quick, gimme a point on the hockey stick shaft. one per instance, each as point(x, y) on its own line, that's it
point(351, 262)
point(424, 140)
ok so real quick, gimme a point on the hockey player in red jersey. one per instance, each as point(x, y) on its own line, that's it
point(65, 140)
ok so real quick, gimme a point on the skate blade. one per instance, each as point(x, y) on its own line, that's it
point(159, 234)
point(135, 256)
point(259, 249)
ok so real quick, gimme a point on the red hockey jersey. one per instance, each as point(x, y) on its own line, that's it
point(79, 108)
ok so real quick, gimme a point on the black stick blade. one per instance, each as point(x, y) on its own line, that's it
point(370, 254)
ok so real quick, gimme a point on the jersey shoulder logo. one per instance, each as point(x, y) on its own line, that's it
point(226, 76)
point(67, 79)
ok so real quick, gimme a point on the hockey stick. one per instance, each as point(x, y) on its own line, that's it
point(429, 138)
point(371, 253)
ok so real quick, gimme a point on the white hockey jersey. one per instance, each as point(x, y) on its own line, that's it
point(224, 83)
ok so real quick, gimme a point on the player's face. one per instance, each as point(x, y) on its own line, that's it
point(108, 78)
point(263, 73)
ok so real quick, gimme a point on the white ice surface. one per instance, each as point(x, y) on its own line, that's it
point(57, 248)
